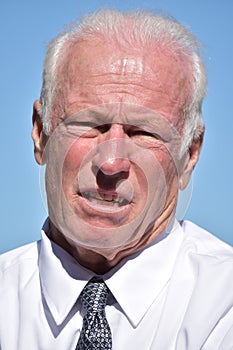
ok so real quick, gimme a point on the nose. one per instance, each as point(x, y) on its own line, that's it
point(112, 157)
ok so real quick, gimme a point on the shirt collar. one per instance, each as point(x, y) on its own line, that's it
point(139, 279)
point(63, 278)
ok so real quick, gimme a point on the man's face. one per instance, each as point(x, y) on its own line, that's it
point(112, 164)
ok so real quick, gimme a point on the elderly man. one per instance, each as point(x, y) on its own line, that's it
point(119, 128)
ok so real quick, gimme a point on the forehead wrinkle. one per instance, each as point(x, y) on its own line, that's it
point(127, 81)
point(131, 61)
point(162, 75)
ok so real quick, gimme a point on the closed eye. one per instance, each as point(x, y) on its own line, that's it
point(144, 133)
point(86, 129)
point(103, 128)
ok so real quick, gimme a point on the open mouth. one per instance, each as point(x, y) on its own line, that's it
point(105, 199)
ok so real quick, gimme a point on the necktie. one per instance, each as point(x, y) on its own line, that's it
point(95, 333)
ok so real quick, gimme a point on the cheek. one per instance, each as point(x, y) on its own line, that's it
point(171, 177)
point(167, 164)
point(162, 155)
point(73, 160)
point(76, 154)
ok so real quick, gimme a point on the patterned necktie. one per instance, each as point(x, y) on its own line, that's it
point(95, 333)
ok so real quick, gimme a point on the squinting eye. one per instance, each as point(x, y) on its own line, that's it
point(86, 129)
point(97, 130)
point(80, 129)
point(103, 128)
point(144, 133)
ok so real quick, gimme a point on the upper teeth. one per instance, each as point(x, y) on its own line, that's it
point(105, 197)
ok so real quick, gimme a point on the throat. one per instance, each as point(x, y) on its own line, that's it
point(91, 260)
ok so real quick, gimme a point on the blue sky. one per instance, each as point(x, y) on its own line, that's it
point(26, 27)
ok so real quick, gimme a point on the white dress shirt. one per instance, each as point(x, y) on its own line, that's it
point(177, 294)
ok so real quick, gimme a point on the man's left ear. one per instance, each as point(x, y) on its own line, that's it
point(192, 158)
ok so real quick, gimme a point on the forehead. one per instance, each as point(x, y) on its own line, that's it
point(96, 72)
point(91, 58)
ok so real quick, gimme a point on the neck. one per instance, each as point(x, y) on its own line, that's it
point(101, 261)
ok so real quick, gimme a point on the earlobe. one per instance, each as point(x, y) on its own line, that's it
point(192, 159)
point(37, 133)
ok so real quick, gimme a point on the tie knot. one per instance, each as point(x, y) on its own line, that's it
point(94, 295)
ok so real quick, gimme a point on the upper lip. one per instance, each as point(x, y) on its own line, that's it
point(105, 195)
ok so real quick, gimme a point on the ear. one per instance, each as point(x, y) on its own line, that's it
point(37, 133)
point(191, 160)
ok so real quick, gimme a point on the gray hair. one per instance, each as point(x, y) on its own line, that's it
point(147, 31)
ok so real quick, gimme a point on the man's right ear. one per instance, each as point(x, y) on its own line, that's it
point(37, 133)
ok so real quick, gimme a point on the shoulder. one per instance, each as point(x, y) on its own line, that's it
point(17, 255)
point(205, 243)
point(210, 259)
point(19, 264)
point(19, 291)
point(205, 275)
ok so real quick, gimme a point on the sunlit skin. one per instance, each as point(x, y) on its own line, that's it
point(117, 158)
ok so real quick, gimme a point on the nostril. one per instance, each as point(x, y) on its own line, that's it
point(110, 182)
